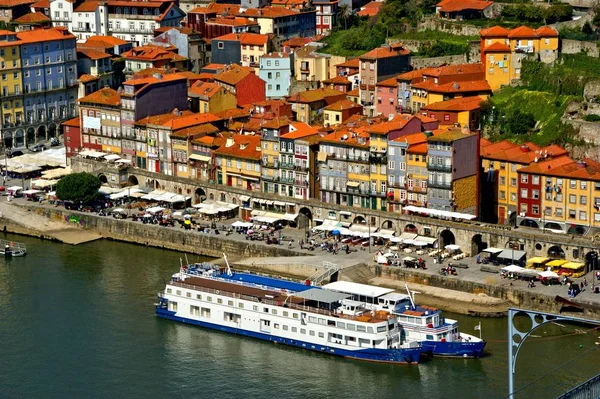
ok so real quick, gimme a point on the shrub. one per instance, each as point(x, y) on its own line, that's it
point(592, 118)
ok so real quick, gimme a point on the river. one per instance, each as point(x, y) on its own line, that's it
point(78, 321)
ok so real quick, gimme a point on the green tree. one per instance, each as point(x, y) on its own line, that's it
point(344, 12)
point(518, 123)
point(78, 187)
point(596, 14)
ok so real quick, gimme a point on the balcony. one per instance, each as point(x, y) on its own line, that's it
point(524, 49)
point(285, 165)
point(439, 168)
point(254, 65)
point(125, 29)
point(358, 159)
point(365, 103)
point(300, 168)
point(416, 189)
point(10, 94)
point(286, 180)
point(439, 184)
point(302, 183)
point(378, 158)
point(376, 193)
point(131, 16)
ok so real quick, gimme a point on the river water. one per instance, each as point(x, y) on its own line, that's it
point(78, 321)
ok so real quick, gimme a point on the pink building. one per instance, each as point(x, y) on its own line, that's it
point(386, 103)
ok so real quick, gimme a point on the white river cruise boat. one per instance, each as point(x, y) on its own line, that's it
point(259, 308)
point(438, 335)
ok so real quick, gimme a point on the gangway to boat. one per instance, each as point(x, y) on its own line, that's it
point(330, 270)
point(12, 248)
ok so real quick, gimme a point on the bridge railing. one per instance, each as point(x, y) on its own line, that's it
point(587, 390)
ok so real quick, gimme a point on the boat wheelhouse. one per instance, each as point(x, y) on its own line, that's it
point(309, 319)
point(438, 335)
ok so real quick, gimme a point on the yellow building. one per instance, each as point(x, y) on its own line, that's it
point(209, 97)
point(500, 164)
point(271, 131)
point(339, 112)
point(502, 51)
point(416, 170)
point(11, 91)
point(464, 111)
point(560, 194)
point(181, 147)
point(238, 162)
point(310, 65)
point(309, 104)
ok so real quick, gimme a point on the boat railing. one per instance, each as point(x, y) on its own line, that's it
point(13, 245)
point(304, 308)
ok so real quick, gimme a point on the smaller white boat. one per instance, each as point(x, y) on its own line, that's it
point(12, 248)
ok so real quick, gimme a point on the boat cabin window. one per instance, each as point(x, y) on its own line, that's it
point(266, 310)
point(361, 328)
point(295, 315)
point(381, 329)
point(302, 331)
point(199, 297)
point(219, 300)
point(285, 328)
point(255, 308)
point(294, 329)
point(370, 330)
point(173, 306)
point(229, 303)
point(285, 313)
point(178, 292)
point(209, 298)
point(312, 319)
point(350, 339)
point(169, 290)
point(322, 321)
point(331, 323)
point(275, 325)
point(274, 311)
point(188, 294)
point(351, 327)
point(341, 324)
point(321, 335)
point(311, 333)
point(241, 305)
point(429, 336)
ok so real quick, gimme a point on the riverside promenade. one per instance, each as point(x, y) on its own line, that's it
point(471, 290)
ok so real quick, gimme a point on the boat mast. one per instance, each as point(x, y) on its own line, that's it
point(229, 273)
point(410, 296)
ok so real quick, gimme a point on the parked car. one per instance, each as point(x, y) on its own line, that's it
point(38, 147)
point(54, 142)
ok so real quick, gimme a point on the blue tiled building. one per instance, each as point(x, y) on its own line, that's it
point(276, 70)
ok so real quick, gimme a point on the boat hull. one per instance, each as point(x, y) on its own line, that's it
point(453, 349)
point(395, 356)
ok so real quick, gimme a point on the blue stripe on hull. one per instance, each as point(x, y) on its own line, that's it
point(400, 356)
point(454, 349)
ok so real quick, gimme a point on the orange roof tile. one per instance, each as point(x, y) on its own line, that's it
point(186, 121)
point(232, 113)
point(310, 96)
point(455, 70)
point(370, 9)
point(277, 123)
point(104, 96)
point(72, 122)
point(353, 93)
point(525, 153)
point(162, 118)
point(14, 3)
point(242, 146)
point(522, 31)
point(397, 123)
point(497, 48)
point(425, 119)
point(454, 87)
point(32, 18)
point(210, 141)
point(218, 8)
point(109, 40)
point(300, 130)
point(353, 63)
point(342, 105)
point(414, 76)
point(231, 21)
point(455, 104)
point(234, 74)
point(267, 12)
point(340, 80)
point(151, 53)
point(385, 52)
point(92, 54)
point(41, 4)
point(546, 31)
point(87, 6)
point(391, 82)
point(494, 31)
point(250, 39)
point(214, 66)
point(204, 89)
point(354, 137)
point(187, 132)
point(85, 78)
point(461, 5)
point(43, 35)
point(296, 42)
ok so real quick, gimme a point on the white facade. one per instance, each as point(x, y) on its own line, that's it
point(61, 13)
point(90, 23)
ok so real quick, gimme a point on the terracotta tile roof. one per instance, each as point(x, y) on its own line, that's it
point(549, 167)
point(342, 105)
point(104, 96)
point(352, 64)
point(91, 53)
point(210, 141)
point(522, 31)
point(108, 40)
point(311, 96)
point(385, 52)
point(296, 42)
point(425, 119)
point(207, 128)
point(152, 53)
point(414, 76)
point(412, 139)
point(87, 6)
point(391, 82)
point(456, 104)
point(32, 18)
point(301, 130)
point(214, 66)
point(267, 12)
point(85, 78)
point(462, 5)
point(386, 127)
point(205, 76)
point(494, 31)
point(186, 121)
point(454, 87)
point(352, 137)
point(546, 31)
point(448, 134)
point(14, 3)
point(162, 118)
point(231, 21)
point(370, 9)
point(232, 113)
point(455, 70)
point(233, 75)
point(72, 122)
point(44, 35)
point(204, 90)
point(497, 48)
point(41, 4)
point(524, 154)
point(353, 93)
point(277, 123)
point(250, 39)
point(216, 8)
point(340, 80)
point(276, 55)
point(418, 149)
point(242, 146)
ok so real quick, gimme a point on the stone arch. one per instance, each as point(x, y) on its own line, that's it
point(411, 228)
point(306, 212)
point(577, 230)
point(199, 195)
point(529, 223)
point(234, 200)
point(359, 220)
point(512, 219)
point(447, 238)
point(179, 190)
point(52, 130)
point(553, 226)
point(388, 224)
point(8, 139)
point(30, 136)
point(41, 133)
point(132, 180)
point(556, 252)
point(591, 261)
point(477, 244)
point(211, 196)
point(103, 178)
point(20, 138)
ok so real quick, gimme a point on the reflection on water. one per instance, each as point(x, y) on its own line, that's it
point(78, 321)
